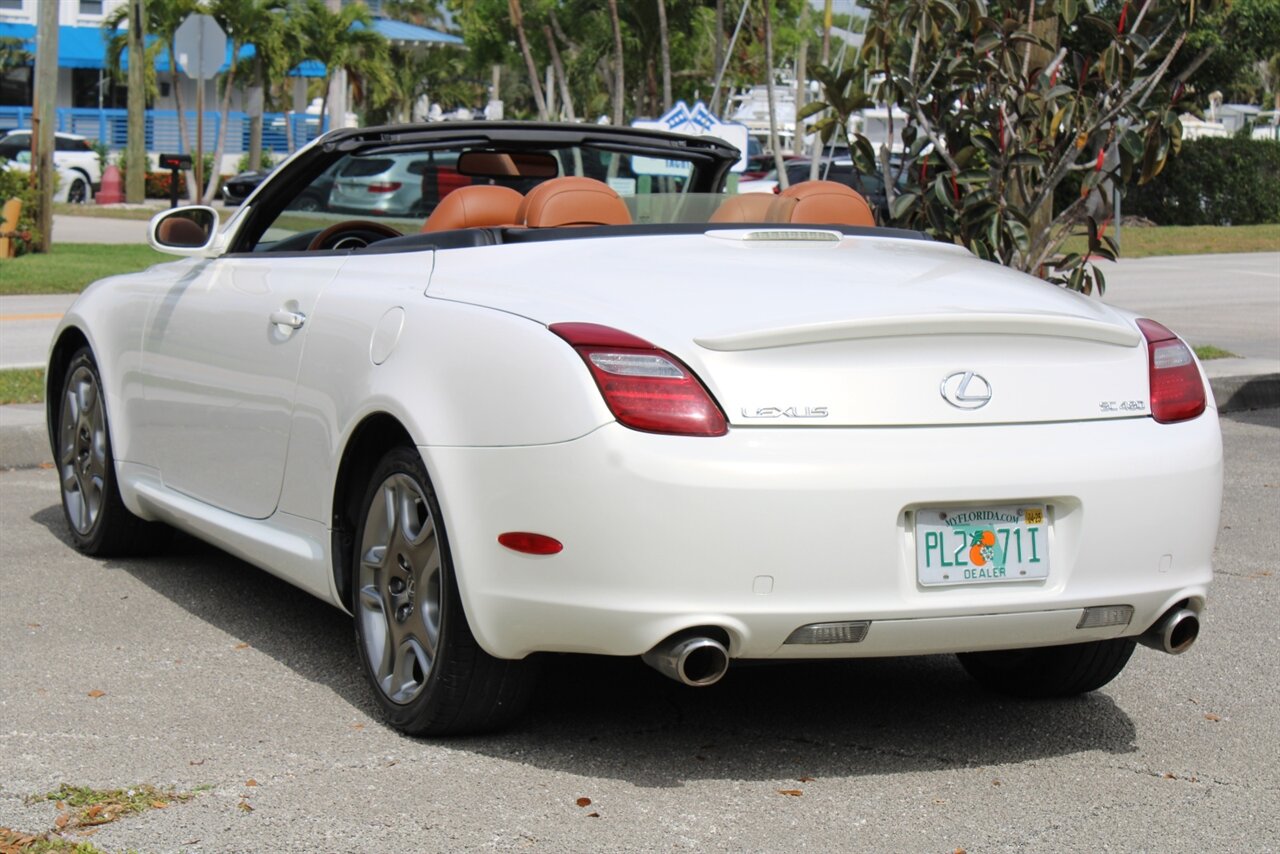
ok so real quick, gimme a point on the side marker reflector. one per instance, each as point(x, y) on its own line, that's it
point(530, 544)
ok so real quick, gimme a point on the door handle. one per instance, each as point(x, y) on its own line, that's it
point(290, 319)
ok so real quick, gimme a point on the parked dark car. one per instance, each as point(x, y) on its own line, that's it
point(314, 198)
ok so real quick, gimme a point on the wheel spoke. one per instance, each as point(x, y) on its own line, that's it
point(411, 665)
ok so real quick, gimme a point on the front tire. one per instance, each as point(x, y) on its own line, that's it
point(79, 192)
point(1051, 671)
point(100, 524)
point(429, 675)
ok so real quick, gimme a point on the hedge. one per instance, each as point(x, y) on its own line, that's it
point(1213, 182)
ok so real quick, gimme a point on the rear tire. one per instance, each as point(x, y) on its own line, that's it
point(99, 522)
point(428, 674)
point(1051, 671)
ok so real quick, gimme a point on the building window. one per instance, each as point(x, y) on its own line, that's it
point(15, 87)
point(90, 7)
point(10, 5)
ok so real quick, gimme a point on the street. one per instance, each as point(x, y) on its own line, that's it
point(220, 680)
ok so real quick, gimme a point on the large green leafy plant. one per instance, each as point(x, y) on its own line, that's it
point(1004, 101)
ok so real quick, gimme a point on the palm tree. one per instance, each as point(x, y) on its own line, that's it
point(334, 39)
point(163, 19)
point(262, 22)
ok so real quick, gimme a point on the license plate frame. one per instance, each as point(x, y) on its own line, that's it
point(983, 544)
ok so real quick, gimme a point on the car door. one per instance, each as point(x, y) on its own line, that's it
point(221, 352)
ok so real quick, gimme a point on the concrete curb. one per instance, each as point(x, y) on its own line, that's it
point(24, 441)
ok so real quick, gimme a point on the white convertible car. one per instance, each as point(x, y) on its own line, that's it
point(582, 402)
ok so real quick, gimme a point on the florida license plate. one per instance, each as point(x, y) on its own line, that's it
point(982, 545)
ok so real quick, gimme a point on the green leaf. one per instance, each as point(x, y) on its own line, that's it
point(810, 109)
point(986, 42)
point(1099, 279)
point(1069, 10)
point(1026, 158)
point(902, 204)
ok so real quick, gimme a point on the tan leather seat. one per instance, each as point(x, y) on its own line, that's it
point(821, 203)
point(572, 200)
point(748, 207)
point(477, 206)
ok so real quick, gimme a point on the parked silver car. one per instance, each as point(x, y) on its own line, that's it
point(395, 184)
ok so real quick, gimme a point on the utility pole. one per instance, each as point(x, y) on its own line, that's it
point(44, 119)
point(136, 158)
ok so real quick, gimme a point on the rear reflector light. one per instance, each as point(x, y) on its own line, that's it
point(530, 544)
point(388, 187)
point(645, 388)
point(1105, 615)
point(1177, 392)
point(852, 631)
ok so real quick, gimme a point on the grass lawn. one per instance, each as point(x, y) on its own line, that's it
point(23, 385)
point(143, 213)
point(70, 267)
point(1190, 240)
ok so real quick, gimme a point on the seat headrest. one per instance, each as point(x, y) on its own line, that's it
point(475, 206)
point(821, 203)
point(748, 207)
point(572, 200)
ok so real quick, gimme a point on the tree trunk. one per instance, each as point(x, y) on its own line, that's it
point(42, 136)
point(664, 41)
point(774, 144)
point(619, 88)
point(802, 58)
point(719, 57)
point(211, 181)
point(560, 75)
point(136, 155)
point(517, 21)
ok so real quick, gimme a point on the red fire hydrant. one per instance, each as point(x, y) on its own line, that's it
point(112, 192)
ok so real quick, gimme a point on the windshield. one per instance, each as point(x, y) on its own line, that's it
point(402, 186)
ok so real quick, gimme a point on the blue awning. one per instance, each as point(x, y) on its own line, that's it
point(78, 47)
point(405, 33)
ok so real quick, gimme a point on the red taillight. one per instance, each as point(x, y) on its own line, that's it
point(1177, 392)
point(530, 544)
point(645, 388)
point(386, 187)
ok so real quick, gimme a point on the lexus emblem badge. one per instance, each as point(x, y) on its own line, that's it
point(966, 390)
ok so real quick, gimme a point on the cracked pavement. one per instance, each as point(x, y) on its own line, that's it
point(218, 675)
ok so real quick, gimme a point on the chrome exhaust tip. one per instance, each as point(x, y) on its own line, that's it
point(697, 661)
point(1173, 633)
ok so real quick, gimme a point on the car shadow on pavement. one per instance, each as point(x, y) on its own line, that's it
point(619, 719)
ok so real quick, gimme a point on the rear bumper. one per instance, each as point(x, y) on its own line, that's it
point(765, 530)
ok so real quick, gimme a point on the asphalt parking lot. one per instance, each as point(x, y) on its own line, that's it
point(192, 670)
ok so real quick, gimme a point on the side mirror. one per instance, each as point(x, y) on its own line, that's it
point(184, 231)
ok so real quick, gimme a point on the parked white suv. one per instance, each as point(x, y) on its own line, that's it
point(74, 156)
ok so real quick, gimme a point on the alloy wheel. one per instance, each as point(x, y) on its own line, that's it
point(82, 449)
point(400, 594)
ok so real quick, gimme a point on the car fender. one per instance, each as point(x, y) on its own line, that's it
point(111, 314)
point(451, 374)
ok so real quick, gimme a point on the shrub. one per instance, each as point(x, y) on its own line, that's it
point(1213, 182)
point(15, 183)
